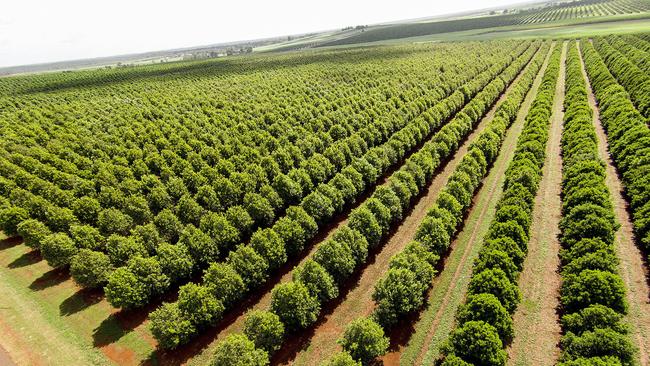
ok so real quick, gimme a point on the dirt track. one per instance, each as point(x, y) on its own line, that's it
point(450, 286)
point(633, 270)
point(536, 323)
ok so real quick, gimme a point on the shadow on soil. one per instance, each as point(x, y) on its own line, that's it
point(117, 325)
point(50, 278)
point(26, 259)
point(10, 242)
point(80, 300)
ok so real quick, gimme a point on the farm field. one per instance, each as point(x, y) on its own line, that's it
point(398, 204)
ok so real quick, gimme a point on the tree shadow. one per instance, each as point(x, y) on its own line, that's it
point(27, 259)
point(50, 278)
point(119, 324)
point(10, 242)
point(80, 300)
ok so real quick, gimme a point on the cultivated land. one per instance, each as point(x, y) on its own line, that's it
point(275, 204)
point(536, 324)
point(448, 290)
point(633, 267)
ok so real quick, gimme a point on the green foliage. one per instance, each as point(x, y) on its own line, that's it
point(237, 350)
point(342, 359)
point(478, 343)
point(264, 329)
point(169, 327)
point(496, 282)
point(58, 249)
point(250, 265)
point(10, 218)
point(199, 305)
point(224, 281)
point(364, 340)
point(317, 280)
point(90, 268)
point(295, 306)
point(487, 308)
point(175, 261)
point(33, 232)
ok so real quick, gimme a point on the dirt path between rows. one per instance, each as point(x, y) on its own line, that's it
point(358, 302)
point(632, 268)
point(444, 300)
point(536, 322)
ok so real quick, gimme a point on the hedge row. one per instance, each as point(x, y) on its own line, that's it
point(484, 322)
point(635, 81)
point(628, 138)
point(402, 290)
point(336, 259)
point(628, 46)
point(297, 303)
point(592, 293)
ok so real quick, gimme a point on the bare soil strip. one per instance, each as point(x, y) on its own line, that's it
point(536, 322)
point(449, 287)
point(632, 268)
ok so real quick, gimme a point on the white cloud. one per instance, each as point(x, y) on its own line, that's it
point(35, 31)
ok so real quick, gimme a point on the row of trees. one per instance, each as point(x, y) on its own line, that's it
point(136, 213)
point(484, 323)
point(592, 293)
point(630, 47)
point(628, 138)
point(635, 81)
point(402, 290)
point(298, 303)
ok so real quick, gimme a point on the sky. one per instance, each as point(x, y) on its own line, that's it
point(38, 31)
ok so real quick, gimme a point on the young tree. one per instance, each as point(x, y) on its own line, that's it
point(342, 359)
point(433, 233)
point(169, 327)
point(58, 249)
point(270, 246)
point(478, 343)
point(238, 350)
point(175, 260)
point(292, 234)
point(250, 265)
point(226, 284)
point(33, 232)
point(295, 306)
point(487, 308)
point(319, 283)
point(265, 329)
point(90, 268)
point(199, 305)
point(593, 287)
point(364, 340)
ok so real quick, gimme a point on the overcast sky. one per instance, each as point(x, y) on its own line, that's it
point(36, 31)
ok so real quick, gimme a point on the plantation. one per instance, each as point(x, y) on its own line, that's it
point(338, 207)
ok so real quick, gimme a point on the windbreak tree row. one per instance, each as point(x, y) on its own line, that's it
point(628, 139)
point(592, 293)
point(336, 260)
point(484, 323)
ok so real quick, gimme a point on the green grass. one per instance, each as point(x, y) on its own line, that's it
point(44, 307)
